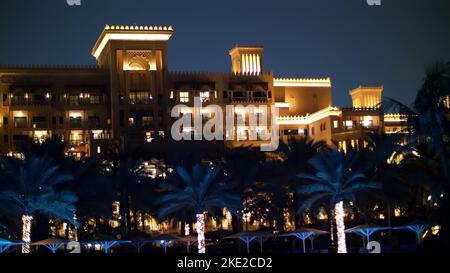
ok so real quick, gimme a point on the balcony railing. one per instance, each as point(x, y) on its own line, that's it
point(40, 125)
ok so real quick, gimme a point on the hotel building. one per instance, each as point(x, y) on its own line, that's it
point(126, 100)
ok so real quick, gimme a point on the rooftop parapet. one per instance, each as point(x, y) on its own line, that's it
point(308, 119)
point(302, 82)
point(130, 33)
point(51, 67)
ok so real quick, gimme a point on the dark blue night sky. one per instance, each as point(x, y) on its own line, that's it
point(347, 40)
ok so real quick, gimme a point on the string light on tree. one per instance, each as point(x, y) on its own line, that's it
point(26, 233)
point(340, 227)
point(187, 230)
point(200, 225)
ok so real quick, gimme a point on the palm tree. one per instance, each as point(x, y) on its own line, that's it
point(241, 165)
point(94, 191)
point(35, 190)
point(337, 178)
point(384, 153)
point(199, 190)
point(296, 153)
point(127, 177)
point(428, 119)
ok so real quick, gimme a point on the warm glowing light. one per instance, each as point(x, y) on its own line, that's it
point(397, 212)
point(19, 114)
point(97, 134)
point(308, 119)
point(131, 36)
point(367, 121)
point(75, 114)
point(282, 104)
point(226, 220)
point(435, 229)
point(290, 82)
point(148, 137)
point(395, 118)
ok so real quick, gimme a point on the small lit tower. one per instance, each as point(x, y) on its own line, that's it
point(246, 59)
point(366, 96)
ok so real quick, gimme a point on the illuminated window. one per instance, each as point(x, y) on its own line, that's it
point(367, 122)
point(149, 136)
point(335, 124)
point(146, 121)
point(73, 100)
point(140, 97)
point(98, 134)
point(94, 99)
point(184, 96)
point(40, 136)
point(171, 94)
point(204, 96)
point(76, 138)
point(130, 121)
point(242, 134)
point(99, 150)
point(348, 124)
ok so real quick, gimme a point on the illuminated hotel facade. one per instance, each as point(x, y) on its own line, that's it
point(126, 100)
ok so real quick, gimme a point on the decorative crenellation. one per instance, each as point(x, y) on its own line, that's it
point(395, 117)
point(139, 28)
point(50, 66)
point(251, 73)
point(309, 118)
point(303, 82)
point(176, 73)
point(362, 109)
point(254, 101)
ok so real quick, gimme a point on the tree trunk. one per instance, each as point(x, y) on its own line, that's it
point(340, 226)
point(389, 219)
point(331, 218)
point(236, 223)
point(201, 233)
point(135, 219)
point(27, 220)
